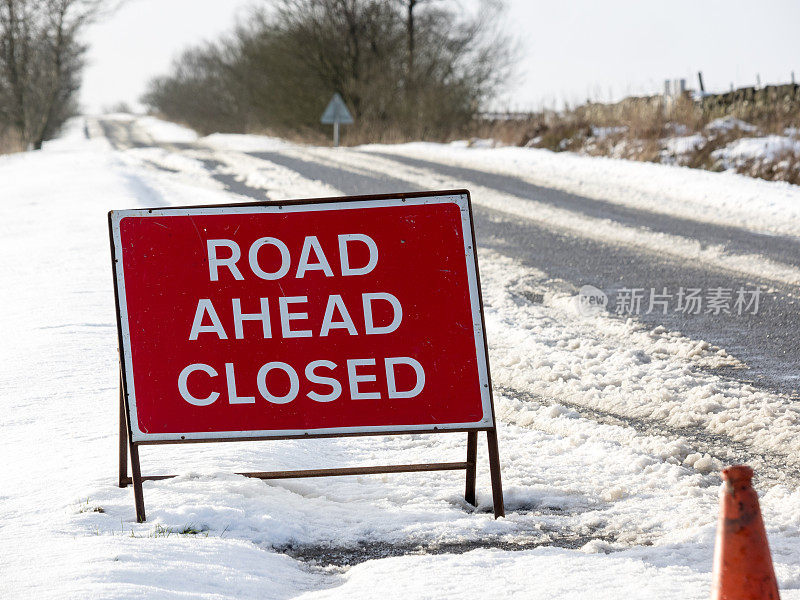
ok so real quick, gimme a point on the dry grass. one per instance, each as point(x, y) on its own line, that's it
point(637, 128)
point(360, 133)
point(785, 167)
point(10, 142)
point(634, 129)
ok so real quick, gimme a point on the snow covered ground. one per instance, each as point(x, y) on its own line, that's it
point(595, 505)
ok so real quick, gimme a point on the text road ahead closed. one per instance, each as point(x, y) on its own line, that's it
point(250, 321)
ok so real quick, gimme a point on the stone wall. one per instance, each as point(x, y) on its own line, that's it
point(761, 98)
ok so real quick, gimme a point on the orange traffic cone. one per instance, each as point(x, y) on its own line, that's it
point(742, 563)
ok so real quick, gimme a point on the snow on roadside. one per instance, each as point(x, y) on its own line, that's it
point(621, 367)
point(165, 131)
point(724, 199)
point(516, 575)
point(768, 148)
point(677, 146)
point(604, 132)
point(244, 143)
point(637, 512)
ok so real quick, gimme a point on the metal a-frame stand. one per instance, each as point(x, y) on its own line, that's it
point(126, 443)
point(470, 465)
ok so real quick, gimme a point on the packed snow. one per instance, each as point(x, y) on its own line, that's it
point(164, 131)
point(245, 143)
point(595, 504)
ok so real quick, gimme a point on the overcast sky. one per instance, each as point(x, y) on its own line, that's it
point(569, 49)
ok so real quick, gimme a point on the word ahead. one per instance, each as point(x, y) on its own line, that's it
point(301, 319)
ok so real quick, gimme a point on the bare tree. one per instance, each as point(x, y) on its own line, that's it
point(41, 59)
point(406, 68)
point(410, 6)
point(208, 89)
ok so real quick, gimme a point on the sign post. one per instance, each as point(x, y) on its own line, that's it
point(302, 319)
point(336, 112)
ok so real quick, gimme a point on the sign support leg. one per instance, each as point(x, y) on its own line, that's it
point(138, 494)
point(494, 470)
point(123, 439)
point(472, 459)
point(336, 134)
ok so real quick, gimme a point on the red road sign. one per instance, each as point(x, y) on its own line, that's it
point(309, 318)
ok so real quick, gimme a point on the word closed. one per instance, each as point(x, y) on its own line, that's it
point(311, 318)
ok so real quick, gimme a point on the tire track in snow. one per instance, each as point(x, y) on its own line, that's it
point(351, 183)
point(124, 135)
point(121, 137)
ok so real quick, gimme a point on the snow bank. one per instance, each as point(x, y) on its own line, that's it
point(677, 146)
point(166, 131)
point(243, 143)
point(768, 148)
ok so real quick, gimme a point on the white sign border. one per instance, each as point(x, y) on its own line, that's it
point(461, 200)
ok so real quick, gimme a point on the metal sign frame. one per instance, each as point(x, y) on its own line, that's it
point(127, 443)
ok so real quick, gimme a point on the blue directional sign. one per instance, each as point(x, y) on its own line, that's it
point(337, 112)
